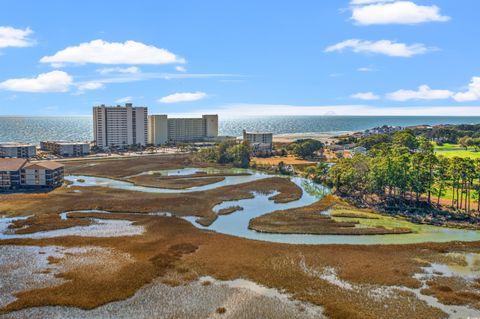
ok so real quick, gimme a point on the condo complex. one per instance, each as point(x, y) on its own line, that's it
point(163, 130)
point(20, 174)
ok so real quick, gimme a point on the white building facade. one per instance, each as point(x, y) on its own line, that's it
point(120, 127)
point(162, 130)
point(17, 150)
point(259, 140)
point(67, 149)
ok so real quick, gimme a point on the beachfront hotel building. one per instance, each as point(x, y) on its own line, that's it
point(17, 150)
point(259, 140)
point(120, 126)
point(162, 130)
point(67, 149)
point(20, 174)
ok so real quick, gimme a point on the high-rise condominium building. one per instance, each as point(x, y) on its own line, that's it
point(118, 126)
point(162, 129)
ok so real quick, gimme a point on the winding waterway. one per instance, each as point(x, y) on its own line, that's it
point(236, 224)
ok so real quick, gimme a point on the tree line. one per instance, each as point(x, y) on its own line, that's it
point(226, 153)
point(403, 171)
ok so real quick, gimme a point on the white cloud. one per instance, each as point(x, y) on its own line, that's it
point(182, 97)
point(363, 2)
point(473, 92)
point(103, 52)
point(335, 75)
point(130, 70)
point(90, 86)
point(55, 81)
point(17, 38)
point(400, 12)
point(385, 47)
point(369, 96)
point(125, 99)
point(424, 93)
point(144, 76)
point(365, 69)
point(180, 68)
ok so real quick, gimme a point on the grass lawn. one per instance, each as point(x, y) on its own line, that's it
point(448, 195)
point(447, 146)
point(457, 153)
point(455, 150)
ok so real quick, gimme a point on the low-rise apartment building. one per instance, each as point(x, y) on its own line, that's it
point(259, 141)
point(67, 149)
point(10, 170)
point(162, 130)
point(18, 174)
point(17, 150)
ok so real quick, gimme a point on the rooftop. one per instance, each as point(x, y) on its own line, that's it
point(44, 165)
point(15, 144)
point(11, 164)
point(256, 132)
point(66, 142)
point(118, 106)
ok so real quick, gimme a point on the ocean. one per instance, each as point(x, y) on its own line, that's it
point(36, 129)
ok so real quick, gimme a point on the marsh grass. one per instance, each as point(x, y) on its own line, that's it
point(175, 251)
point(342, 219)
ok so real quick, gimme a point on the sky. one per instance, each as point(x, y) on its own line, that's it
point(241, 57)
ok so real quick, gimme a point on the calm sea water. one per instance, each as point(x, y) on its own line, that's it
point(35, 129)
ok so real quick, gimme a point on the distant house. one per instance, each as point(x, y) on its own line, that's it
point(359, 150)
point(386, 129)
point(18, 174)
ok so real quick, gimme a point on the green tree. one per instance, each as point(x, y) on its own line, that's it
point(442, 176)
point(465, 142)
point(239, 155)
point(305, 148)
point(316, 173)
point(374, 140)
point(405, 138)
point(475, 142)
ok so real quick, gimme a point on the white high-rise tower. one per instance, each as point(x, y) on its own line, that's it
point(118, 126)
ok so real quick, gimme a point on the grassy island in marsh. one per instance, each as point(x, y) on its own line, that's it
point(329, 216)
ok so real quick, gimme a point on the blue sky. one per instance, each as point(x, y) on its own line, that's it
point(345, 57)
